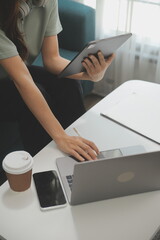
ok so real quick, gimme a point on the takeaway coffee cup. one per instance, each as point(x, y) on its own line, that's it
point(18, 167)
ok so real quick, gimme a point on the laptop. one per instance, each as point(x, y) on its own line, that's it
point(120, 172)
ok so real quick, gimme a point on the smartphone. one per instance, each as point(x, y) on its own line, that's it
point(49, 190)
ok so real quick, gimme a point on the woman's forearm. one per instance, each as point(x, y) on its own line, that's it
point(94, 68)
point(40, 109)
point(61, 63)
point(32, 96)
point(78, 147)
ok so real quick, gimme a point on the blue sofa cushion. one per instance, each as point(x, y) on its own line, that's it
point(78, 22)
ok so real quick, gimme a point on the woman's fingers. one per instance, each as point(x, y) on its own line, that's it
point(87, 150)
point(86, 154)
point(78, 147)
point(77, 156)
point(97, 65)
point(101, 59)
point(92, 145)
point(92, 63)
point(110, 59)
point(95, 61)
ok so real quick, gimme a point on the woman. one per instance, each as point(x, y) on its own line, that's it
point(26, 28)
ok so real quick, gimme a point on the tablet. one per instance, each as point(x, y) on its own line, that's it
point(107, 46)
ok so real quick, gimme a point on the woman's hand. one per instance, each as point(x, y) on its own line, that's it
point(97, 66)
point(80, 148)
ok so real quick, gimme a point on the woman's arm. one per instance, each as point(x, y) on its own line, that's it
point(52, 61)
point(31, 94)
point(76, 146)
point(95, 67)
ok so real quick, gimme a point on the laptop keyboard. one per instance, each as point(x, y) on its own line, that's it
point(70, 180)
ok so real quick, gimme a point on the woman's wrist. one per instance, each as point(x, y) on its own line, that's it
point(58, 136)
point(80, 76)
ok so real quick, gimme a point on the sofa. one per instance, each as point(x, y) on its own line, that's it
point(78, 23)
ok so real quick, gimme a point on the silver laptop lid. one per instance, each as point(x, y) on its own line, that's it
point(104, 179)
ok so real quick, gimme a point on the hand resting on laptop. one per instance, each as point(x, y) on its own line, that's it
point(105, 154)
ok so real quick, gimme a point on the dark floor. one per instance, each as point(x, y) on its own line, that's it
point(90, 100)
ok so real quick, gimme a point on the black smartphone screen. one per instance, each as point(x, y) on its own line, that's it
point(49, 189)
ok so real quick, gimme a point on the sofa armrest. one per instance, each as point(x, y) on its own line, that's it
point(78, 22)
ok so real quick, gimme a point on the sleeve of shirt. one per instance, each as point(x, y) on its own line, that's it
point(54, 26)
point(7, 47)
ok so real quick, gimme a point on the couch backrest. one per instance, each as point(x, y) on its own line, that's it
point(78, 22)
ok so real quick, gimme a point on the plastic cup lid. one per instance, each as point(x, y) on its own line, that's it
point(17, 162)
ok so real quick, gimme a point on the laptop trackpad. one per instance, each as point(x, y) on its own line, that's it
point(110, 154)
point(126, 151)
